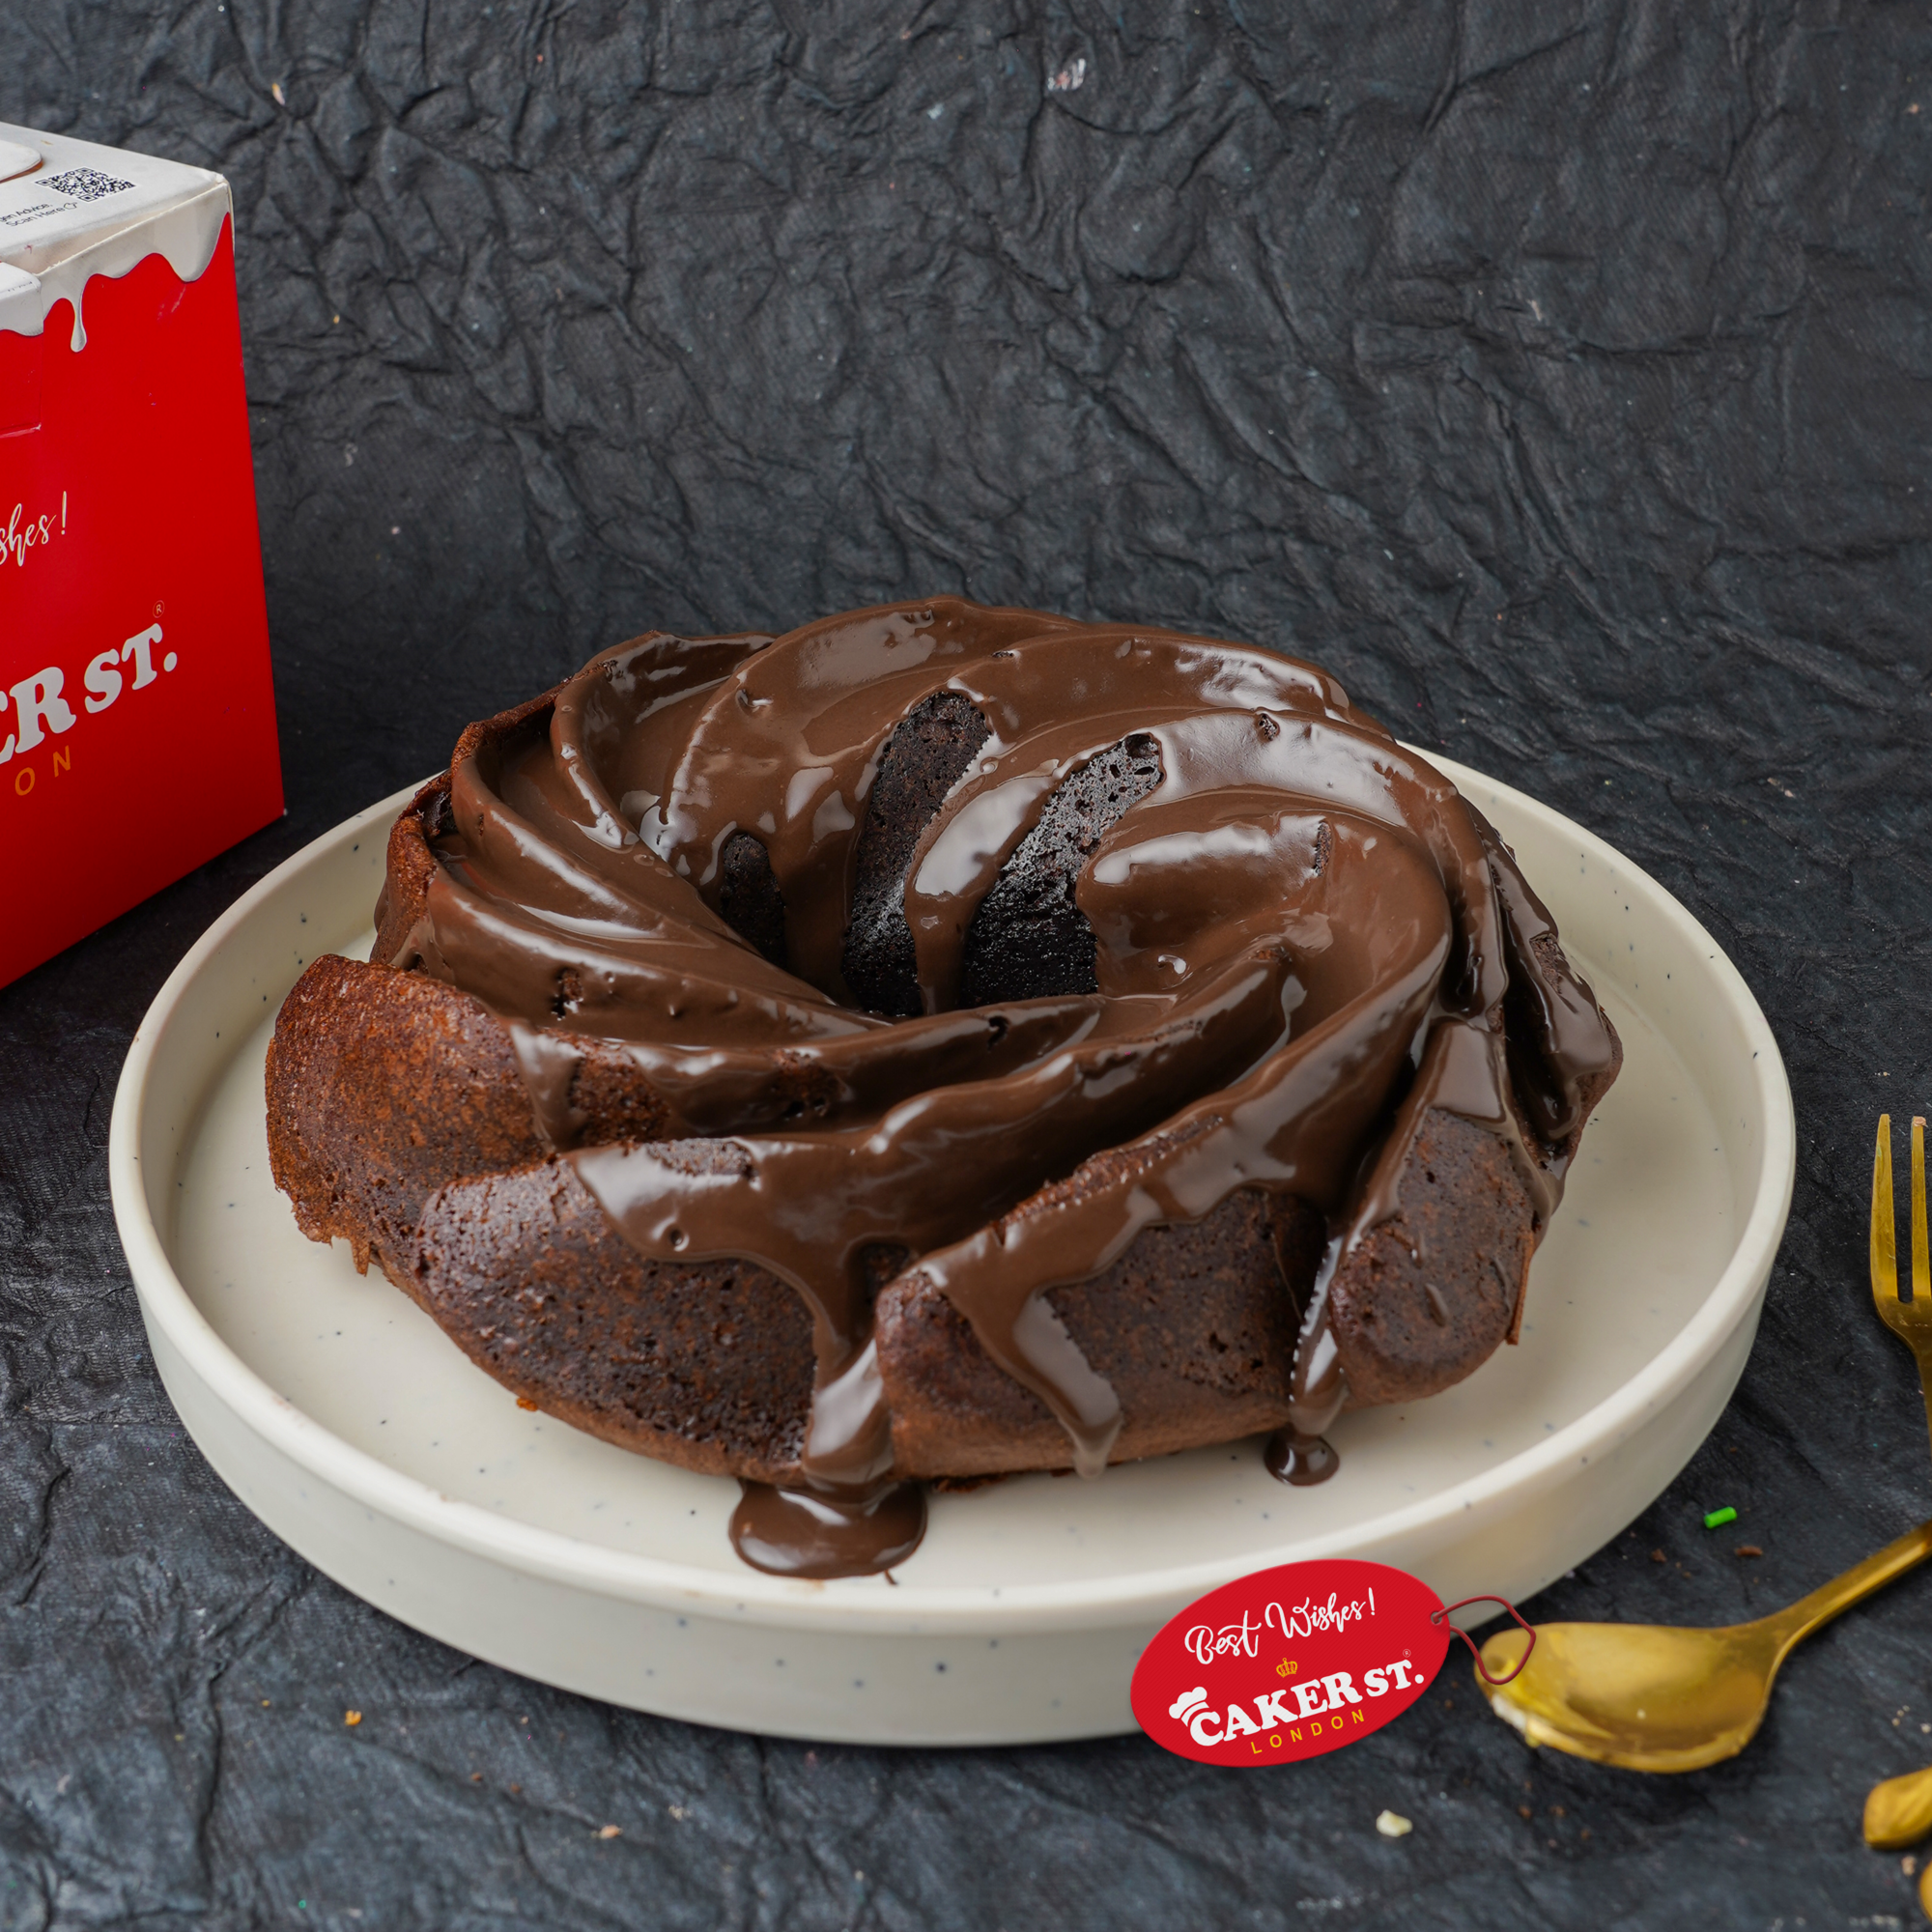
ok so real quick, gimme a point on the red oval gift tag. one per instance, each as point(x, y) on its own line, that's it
point(1290, 1663)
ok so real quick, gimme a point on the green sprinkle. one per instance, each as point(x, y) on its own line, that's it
point(1718, 1519)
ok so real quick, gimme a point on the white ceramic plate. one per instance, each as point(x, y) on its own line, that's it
point(341, 1416)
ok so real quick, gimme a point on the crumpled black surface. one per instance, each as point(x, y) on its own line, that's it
point(1558, 374)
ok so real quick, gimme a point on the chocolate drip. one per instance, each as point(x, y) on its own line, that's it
point(1301, 1453)
point(741, 859)
point(1302, 1461)
point(797, 1533)
point(549, 1066)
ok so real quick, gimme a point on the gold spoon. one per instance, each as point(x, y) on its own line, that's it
point(1654, 1698)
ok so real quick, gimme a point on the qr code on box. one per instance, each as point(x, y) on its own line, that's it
point(85, 184)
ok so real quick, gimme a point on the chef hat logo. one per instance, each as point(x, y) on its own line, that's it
point(1187, 1703)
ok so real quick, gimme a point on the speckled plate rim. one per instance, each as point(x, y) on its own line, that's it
point(1128, 1598)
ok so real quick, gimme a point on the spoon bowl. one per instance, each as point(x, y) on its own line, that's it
point(1648, 1696)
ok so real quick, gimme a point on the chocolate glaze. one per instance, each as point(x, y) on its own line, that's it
point(801, 1533)
point(1293, 925)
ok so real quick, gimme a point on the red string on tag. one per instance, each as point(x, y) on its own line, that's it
point(1436, 1616)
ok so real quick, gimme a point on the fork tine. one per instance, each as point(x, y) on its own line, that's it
point(1884, 1229)
point(1921, 1267)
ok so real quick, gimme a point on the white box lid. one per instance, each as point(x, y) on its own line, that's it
point(90, 211)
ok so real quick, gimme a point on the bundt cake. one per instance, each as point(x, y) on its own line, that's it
point(940, 1042)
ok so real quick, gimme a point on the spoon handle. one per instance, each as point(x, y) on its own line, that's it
point(1797, 1621)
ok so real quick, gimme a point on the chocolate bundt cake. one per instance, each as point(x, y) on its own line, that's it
point(939, 1042)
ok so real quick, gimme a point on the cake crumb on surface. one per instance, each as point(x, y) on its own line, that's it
point(352, 1718)
point(1393, 1824)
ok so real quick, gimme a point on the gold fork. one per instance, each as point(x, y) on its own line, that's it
point(1900, 1811)
point(1910, 1321)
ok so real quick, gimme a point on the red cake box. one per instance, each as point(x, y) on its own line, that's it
point(137, 716)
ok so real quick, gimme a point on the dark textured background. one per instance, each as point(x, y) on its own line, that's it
point(1560, 374)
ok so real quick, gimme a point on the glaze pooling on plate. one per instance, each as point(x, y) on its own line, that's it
point(1290, 929)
